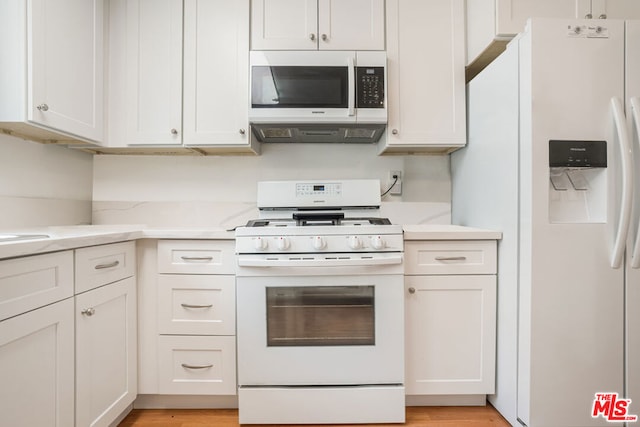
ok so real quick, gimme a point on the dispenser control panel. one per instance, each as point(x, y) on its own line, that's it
point(577, 154)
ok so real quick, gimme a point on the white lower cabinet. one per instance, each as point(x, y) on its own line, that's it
point(106, 356)
point(196, 320)
point(450, 317)
point(197, 365)
point(37, 367)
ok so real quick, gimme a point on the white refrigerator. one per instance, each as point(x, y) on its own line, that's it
point(553, 162)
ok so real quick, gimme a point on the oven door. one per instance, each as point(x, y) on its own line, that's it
point(320, 330)
point(299, 86)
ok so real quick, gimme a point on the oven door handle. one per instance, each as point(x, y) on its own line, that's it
point(324, 262)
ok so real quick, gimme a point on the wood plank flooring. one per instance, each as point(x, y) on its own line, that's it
point(417, 416)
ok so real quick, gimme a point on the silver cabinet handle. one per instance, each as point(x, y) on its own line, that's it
point(603, 16)
point(324, 38)
point(197, 258)
point(110, 265)
point(451, 258)
point(174, 131)
point(88, 311)
point(412, 290)
point(395, 131)
point(43, 107)
point(184, 365)
point(588, 16)
point(312, 37)
point(242, 131)
point(196, 306)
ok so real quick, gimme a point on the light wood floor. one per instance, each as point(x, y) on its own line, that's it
point(424, 416)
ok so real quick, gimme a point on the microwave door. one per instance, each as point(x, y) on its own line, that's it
point(300, 87)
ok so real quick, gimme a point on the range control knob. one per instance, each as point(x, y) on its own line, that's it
point(377, 242)
point(282, 243)
point(318, 243)
point(260, 244)
point(354, 242)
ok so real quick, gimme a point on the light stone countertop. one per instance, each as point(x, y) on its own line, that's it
point(71, 237)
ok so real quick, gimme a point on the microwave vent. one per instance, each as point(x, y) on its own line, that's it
point(270, 133)
point(360, 133)
point(318, 132)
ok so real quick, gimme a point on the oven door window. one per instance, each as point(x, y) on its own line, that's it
point(299, 87)
point(320, 316)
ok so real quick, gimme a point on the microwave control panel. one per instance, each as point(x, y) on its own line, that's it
point(370, 87)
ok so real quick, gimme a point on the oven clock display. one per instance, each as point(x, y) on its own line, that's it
point(307, 189)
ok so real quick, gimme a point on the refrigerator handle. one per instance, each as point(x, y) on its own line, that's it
point(627, 183)
point(635, 114)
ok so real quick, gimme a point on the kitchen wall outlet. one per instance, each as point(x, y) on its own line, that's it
point(397, 187)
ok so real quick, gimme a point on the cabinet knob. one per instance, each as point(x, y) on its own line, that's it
point(412, 290)
point(88, 311)
point(395, 131)
point(603, 16)
point(588, 16)
point(174, 131)
point(43, 107)
point(312, 37)
point(242, 131)
point(324, 38)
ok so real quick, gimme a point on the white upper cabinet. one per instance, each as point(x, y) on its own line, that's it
point(317, 24)
point(145, 75)
point(216, 72)
point(179, 74)
point(52, 58)
point(492, 23)
point(426, 88)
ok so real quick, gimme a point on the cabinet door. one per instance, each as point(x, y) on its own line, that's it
point(284, 24)
point(36, 367)
point(216, 72)
point(65, 65)
point(450, 324)
point(616, 9)
point(426, 75)
point(145, 72)
point(351, 24)
point(106, 357)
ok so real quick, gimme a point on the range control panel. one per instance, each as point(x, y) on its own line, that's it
point(577, 154)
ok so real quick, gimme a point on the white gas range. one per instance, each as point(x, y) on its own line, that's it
point(320, 307)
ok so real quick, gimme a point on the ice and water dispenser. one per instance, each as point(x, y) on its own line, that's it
point(577, 181)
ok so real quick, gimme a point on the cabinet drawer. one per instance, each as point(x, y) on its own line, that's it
point(196, 304)
point(450, 257)
point(99, 265)
point(31, 282)
point(197, 365)
point(196, 256)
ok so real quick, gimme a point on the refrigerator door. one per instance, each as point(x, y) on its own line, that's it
point(632, 300)
point(570, 309)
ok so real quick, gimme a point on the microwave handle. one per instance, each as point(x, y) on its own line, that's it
point(352, 87)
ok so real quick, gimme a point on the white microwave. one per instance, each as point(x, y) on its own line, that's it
point(318, 96)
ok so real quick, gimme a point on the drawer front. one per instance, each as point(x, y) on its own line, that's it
point(31, 282)
point(99, 265)
point(196, 256)
point(197, 365)
point(450, 257)
point(196, 304)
